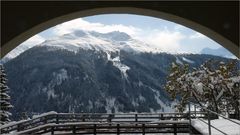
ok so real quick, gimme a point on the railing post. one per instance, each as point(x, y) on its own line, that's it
point(45, 119)
point(95, 129)
point(143, 129)
point(175, 116)
point(18, 127)
point(189, 113)
point(74, 129)
point(175, 129)
point(118, 130)
point(136, 117)
point(110, 118)
point(57, 119)
point(195, 111)
point(162, 117)
point(52, 131)
point(83, 119)
point(209, 123)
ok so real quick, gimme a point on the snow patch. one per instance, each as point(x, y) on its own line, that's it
point(90, 105)
point(164, 107)
point(117, 63)
point(140, 84)
point(199, 87)
point(58, 78)
point(110, 104)
point(187, 60)
point(85, 77)
point(134, 103)
point(141, 98)
point(61, 76)
point(51, 93)
point(178, 61)
point(44, 114)
point(224, 125)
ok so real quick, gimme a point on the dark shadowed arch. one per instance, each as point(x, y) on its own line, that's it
point(159, 11)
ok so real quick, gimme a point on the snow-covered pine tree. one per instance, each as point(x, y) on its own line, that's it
point(5, 105)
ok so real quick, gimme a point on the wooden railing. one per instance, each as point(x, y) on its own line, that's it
point(113, 128)
point(94, 122)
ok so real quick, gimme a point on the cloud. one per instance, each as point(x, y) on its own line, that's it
point(197, 35)
point(165, 40)
point(179, 27)
point(162, 39)
point(34, 40)
point(170, 38)
point(81, 24)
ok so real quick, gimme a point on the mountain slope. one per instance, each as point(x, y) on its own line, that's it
point(90, 81)
point(92, 72)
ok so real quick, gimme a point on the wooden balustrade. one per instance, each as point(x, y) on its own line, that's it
point(60, 121)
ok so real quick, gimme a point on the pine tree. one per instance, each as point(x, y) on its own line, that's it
point(5, 105)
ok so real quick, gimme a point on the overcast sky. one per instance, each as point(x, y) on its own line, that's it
point(166, 35)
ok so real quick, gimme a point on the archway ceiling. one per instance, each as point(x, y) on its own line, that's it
point(221, 17)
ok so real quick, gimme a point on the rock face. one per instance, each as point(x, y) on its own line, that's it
point(110, 73)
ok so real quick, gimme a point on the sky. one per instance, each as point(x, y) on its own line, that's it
point(166, 35)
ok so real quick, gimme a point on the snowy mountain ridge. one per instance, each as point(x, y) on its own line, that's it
point(108, 42)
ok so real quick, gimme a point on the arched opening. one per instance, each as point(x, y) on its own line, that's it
point(113, 62)
point(70, 41)
point(183, 21)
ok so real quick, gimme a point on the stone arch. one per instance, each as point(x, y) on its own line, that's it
point(119, 10)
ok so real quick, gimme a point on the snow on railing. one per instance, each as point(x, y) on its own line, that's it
point(44, 114)
point(209, 119)
point(57, 118)
point(30, 123)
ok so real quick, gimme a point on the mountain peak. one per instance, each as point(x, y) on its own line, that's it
point(114, 35)
point(118, 36)
point(80, 33)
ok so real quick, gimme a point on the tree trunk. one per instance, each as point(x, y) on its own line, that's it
point(237, 110)
point(215, 104)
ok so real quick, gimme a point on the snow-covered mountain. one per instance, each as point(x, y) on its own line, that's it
point(86, 81)
point(92, 72)
point(108, 42)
